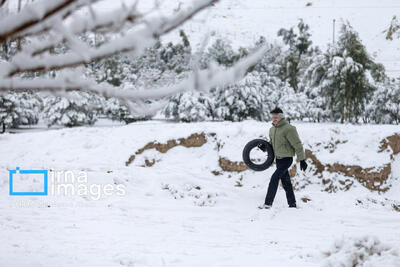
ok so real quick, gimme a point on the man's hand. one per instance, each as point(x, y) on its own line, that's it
point(303, 165)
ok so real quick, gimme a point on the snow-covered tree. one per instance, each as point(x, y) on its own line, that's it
point(50, 24)
point(19, 109)
point(113, 109)
point(114, 70)
point(240, 101)
point(385, 103)
point(222, 53)
point(255, 96)
point(294, 104)
point(344, 76)
point(299, 50)
point(271, 62)
point(80, 108)
point(190, 106)
point(176, 57)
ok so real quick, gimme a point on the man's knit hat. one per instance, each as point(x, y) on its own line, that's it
point(277, 112)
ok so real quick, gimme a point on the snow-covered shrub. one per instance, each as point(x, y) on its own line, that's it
point(78, 109)
point(255, 96)
point(113, 109)
point(19, 109)
point(240, 101)
point(293, 104)
point(360, 252)
point(190, 107)
point(385, 104)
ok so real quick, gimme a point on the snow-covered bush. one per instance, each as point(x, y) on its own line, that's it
point(190, 107)
point(385, 104)
point(19, 109)
point(113, 109)
point(294, 104)
point(240, 101)
point(78, 109)
point(360, 252)
point(255, 96)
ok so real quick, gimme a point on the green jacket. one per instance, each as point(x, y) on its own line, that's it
point(285, 141)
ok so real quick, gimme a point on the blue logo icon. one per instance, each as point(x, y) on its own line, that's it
point(18, 171)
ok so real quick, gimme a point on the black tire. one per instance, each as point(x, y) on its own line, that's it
point(246, 155)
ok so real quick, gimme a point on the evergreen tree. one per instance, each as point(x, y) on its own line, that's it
point(114, 70)
point(169, 57)
point(19, 109)
point(177, 57)
point(113, 109)
point(222, 53)
point(190, 107)
point(80, 108)
point(385, 104)
point(341, 76)
point(272, 60)
point(293, 103)
point(240, 101)
point(299, 42)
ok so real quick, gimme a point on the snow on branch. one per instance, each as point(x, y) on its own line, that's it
point(47, 27)
point(134, 42)
point(202, 80)
point(99, 22)
point(30, 16)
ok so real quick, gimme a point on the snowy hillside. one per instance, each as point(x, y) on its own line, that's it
point(187, 199)
point(242, 22)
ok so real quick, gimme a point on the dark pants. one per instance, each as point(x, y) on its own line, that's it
point(281, 173)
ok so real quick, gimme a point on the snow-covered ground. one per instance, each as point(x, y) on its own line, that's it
point(177, 212)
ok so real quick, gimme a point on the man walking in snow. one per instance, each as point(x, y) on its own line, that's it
point(286, 142)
